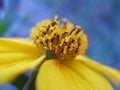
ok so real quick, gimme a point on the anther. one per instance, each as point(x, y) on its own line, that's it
point(53, 23)
point(48, 28)
point(46, 41)
point(72, 30)
point(52, 39)
point(44, 33)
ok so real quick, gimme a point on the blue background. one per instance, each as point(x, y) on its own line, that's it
point(100, 20)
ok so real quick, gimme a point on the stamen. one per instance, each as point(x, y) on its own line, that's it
point(63, 40)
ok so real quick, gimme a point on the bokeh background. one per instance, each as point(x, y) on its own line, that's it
point(100, 20)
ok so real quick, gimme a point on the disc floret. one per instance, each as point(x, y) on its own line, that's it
point(63, 40)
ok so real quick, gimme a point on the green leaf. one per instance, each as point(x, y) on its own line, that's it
point(20, 81)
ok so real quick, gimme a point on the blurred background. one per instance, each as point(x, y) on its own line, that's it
point(100, 20)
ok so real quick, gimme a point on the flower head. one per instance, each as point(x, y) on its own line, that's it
point(67, 69)
point(63, 40)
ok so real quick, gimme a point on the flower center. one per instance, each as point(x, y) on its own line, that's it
point(63, 40)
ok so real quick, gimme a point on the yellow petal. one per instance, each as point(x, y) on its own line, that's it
point(9, 73)
point(16, 50)
point(69, 75)
point(17, 45)
point(94, 79)
point(12, 58)
point(111, 73)
point(15, 53)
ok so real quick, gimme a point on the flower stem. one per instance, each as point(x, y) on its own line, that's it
point(48, 54)
point(30, 85)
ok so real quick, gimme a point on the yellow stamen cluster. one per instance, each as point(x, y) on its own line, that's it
point(63, 40)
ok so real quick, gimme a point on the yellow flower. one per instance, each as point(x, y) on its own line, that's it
point(67, 68)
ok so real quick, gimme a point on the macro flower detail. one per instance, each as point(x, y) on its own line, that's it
point(63, 40)
point(66, 69)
